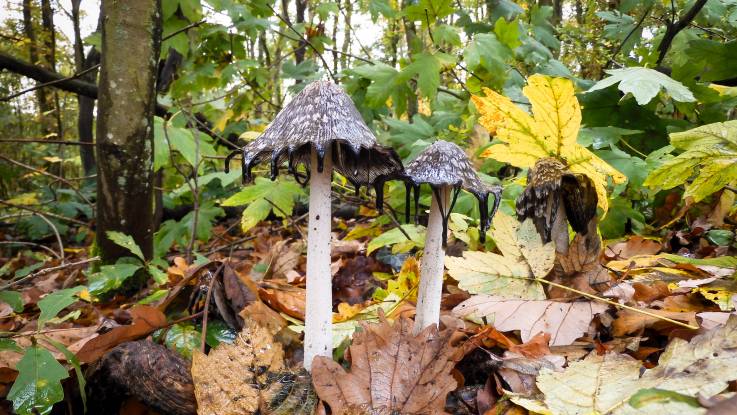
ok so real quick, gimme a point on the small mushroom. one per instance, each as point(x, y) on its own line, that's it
point(446, 168)
point(322, 130)
point(555, 196)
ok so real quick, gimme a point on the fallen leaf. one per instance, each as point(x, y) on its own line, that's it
point(248, 377)
point(391, 371)
point(635, 245)
point(146, 319)
point(606, 384)
point(579, 268)
point(284, 297)
point(508, 275)
point(565, 322)
point(628, 322)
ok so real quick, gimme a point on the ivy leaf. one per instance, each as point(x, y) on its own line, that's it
point(72, 359)
point(126, 242)
point(260, 196)
point(38, 385)
point(12, 298)
point(644, 84)
point(53, 303)
point(507, 275)
point(551, 131)
point(710, 154)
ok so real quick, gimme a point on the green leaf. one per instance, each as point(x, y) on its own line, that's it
point(9, 344)
point(384, 80)
point(429, 11)
point(155, 296)
point(656, 396)
point(447, 34)
point(620, 27)
point(486, 51)
point(53, 303)
point(217, 332)
point(161, 147)
point(395, 236)
point(259, 198)
point(427, 68)
point(126, 242)
point(12, 298)
point(38, 385)
point(192, 146)
point(183, 338)
point(507, 32)
point(22, 272)
point(644, 84)
point(710, 155)
point(111, 277)
point(158, 275)
point(709, 60)
point(382, 7)
point(324, 9)
point(72, 359)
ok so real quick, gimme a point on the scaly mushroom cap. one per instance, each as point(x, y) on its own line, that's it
point(322, 115)
point(446, 164)
point(549, 182)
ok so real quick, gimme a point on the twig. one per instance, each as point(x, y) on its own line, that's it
point(30, 244)
point(45, 173)
point(288, 217)
point(626, 38)
point(48, 270)
point(184, 29)
point(49, 214)
point(56, 233)
point(307, 41)
point(616, 304)
point(675, 27)
point(203, 337)
point(42, 141)
point(50, 83)
point(236, 242)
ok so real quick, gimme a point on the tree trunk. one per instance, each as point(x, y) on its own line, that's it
point(299, 54)
point(346, 48)
point(125, 124)
point(50, 120)
point(30, 32)
point(85, 116)
point(410, 34)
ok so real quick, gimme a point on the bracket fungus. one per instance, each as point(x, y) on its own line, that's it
point(554, 196)
point(447, 169)
point(322, 130)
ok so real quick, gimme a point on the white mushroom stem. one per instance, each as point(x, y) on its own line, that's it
point(433, 258)
point(319, 304)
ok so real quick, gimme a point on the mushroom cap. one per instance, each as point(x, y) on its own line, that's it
point(446, 164)
point(549, 182)
point(323, 115)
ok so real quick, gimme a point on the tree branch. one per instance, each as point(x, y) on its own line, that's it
point(673, 29)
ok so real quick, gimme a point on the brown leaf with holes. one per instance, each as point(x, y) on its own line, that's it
point(579, 268)
point(146, 319)
point(391, 371)
point(249, 377)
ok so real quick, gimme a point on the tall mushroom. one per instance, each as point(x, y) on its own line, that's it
point(446, 168)
point(322, 130)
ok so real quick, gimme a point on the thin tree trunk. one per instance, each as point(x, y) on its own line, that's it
point(299, 55)
point(49, 58)
point(125, 124)
point(410, 33)
point(346, 48)
point(30, 32)
point(85, 116)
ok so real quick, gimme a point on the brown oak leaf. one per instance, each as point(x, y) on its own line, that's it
point(391, 371)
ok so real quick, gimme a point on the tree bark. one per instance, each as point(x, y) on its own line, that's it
point(85, 116)
point(299, 54)
point(33, 54)
point(126, 107)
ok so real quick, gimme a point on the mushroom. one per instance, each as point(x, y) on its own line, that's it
point(446, 168)
point(555, 197)
point(322, 130)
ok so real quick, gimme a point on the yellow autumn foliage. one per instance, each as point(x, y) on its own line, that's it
point(550, 131)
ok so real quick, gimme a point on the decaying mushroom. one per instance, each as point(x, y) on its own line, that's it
point(554, 196)
point(446, 168)
point(322, 130)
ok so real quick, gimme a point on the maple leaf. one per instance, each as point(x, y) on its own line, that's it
point(550, 132)
point(565, 322)
point(511, 274)
point(710, 153)
point(391, 371)
point(614, 383)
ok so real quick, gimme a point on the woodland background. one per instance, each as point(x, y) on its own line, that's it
point(95, 129)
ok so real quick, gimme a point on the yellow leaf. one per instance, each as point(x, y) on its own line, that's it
point(550, 132)
point(347, 312)
point(223, 120)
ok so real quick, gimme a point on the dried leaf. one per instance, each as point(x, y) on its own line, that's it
point(565, 322)
point(580, 268)
point(249, 376)
point(391, 370)
point(146, 319)
point(635, 245)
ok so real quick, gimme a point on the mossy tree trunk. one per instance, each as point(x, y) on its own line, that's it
point(126, 103)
